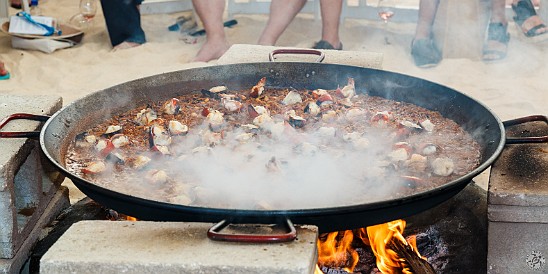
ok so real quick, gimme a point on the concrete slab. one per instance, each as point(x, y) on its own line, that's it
point(169, 247)
point(256, 53)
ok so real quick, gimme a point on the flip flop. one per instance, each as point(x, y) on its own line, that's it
point(425, 53)
point(496, 45)
point(528, 22)
point(5, 77)
point(322, 44)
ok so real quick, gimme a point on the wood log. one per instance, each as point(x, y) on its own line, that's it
point(415, 263)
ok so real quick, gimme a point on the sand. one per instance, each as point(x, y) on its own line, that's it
point(512, 88)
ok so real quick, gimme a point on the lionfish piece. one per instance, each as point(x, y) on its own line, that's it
point(140, 162)
point(146, 116)
point(112, 130)
point(258, 89)
point(296, 121)
point(347, 91)
point(104, 146)
point(214, 92)
point(158, 136)
point(215, 120)
point(231, 105)
point(119, 140)
point(312, 108)
point(172, 106)
point(293, 97)
point(177, 128)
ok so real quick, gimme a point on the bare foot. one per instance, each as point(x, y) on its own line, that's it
point(125, 45)
point(211, 50)
point(3, 70)
point(16, 4)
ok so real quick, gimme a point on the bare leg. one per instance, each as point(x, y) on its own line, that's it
point(211, 14)
point(282, 12)
point(498, 14)
point(331, 16)
point(427, 14)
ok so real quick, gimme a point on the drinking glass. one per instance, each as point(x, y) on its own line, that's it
point(385, 10)
point(84, 19)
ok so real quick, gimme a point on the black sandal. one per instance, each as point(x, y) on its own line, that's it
point(322, 44)
point(497, 42)
point(525, 10)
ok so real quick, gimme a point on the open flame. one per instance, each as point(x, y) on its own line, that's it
point(336, 249)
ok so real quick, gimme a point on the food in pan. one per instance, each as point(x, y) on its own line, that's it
point(274, 149)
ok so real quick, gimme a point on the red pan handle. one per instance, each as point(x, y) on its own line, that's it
point(214, 233)
point(297, 51)
point(23, 134)
point(523, 120)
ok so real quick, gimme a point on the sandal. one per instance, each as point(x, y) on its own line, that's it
point(425, 53)
point(497, 42)
point(527, 19)
point(322, 44)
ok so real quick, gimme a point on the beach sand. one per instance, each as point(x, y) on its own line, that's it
point(512, 88)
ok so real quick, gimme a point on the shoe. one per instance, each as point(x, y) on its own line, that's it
point(425, 53)
point(528, 21)
point(322, 44)
point(497, 42)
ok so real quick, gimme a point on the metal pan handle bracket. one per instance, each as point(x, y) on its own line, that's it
point(523, 120)
point(23, 134)
point(297, 51)
point(214, 233)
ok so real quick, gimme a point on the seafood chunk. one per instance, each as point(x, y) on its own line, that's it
point(347, 91)
point(215, 120)
point(119, 140)
point(427, 125)
point(355, 113)
point(112, 130)
point(410, 126)
point(104, 146)
point(157, 176)
point(210, 138)
point(177, 128)
point(318, 92)
point(325, 99)
point(417, 163)
point(293, 97)
point(381, 118)
point(442, 166)
point(262, 120)
point(357, 140)
point(116, 157)
point(258, 89)
point(249, 128)
point(231, 105)
point(158, 136)
point(428, 149)
point(296, 121)
point(172, 106)
point(244, 137)
point(94, 168)
point(146, 116)
point(255, 111)
point(140, 162)
point(398, 155)
point(329, 115)
point(312, 108)
point(214, 92)
point(85, 140)
point(164, 150)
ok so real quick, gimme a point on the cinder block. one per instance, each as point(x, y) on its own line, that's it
point(25, 190)
point(170, 247)
point(459, 28)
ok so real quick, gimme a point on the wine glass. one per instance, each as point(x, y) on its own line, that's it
point(84, 19)
point(385, 10)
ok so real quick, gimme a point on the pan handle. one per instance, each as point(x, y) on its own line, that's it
point(297, 51)
point(214, 233)
point(523, 120)
point(23, 134)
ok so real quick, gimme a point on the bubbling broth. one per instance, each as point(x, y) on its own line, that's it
point(274, 149)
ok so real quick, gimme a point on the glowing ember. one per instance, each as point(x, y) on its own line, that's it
point(336, 250)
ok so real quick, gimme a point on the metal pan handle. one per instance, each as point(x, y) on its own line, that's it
point(523, 120)
point(23, 134)
point(297, 51)
point(214, 233)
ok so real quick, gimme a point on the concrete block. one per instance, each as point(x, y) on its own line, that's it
point(256, 53)
point(22, 193)
point(57, 203)
point(170, 247)
point(459, 28)
point(517, 248)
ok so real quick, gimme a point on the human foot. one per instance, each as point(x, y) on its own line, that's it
point(125, 45)
point(16, 4)
point(4, 74)
point(425, 53)
point(211, 51)
point(526, 17)
point(497, 42)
